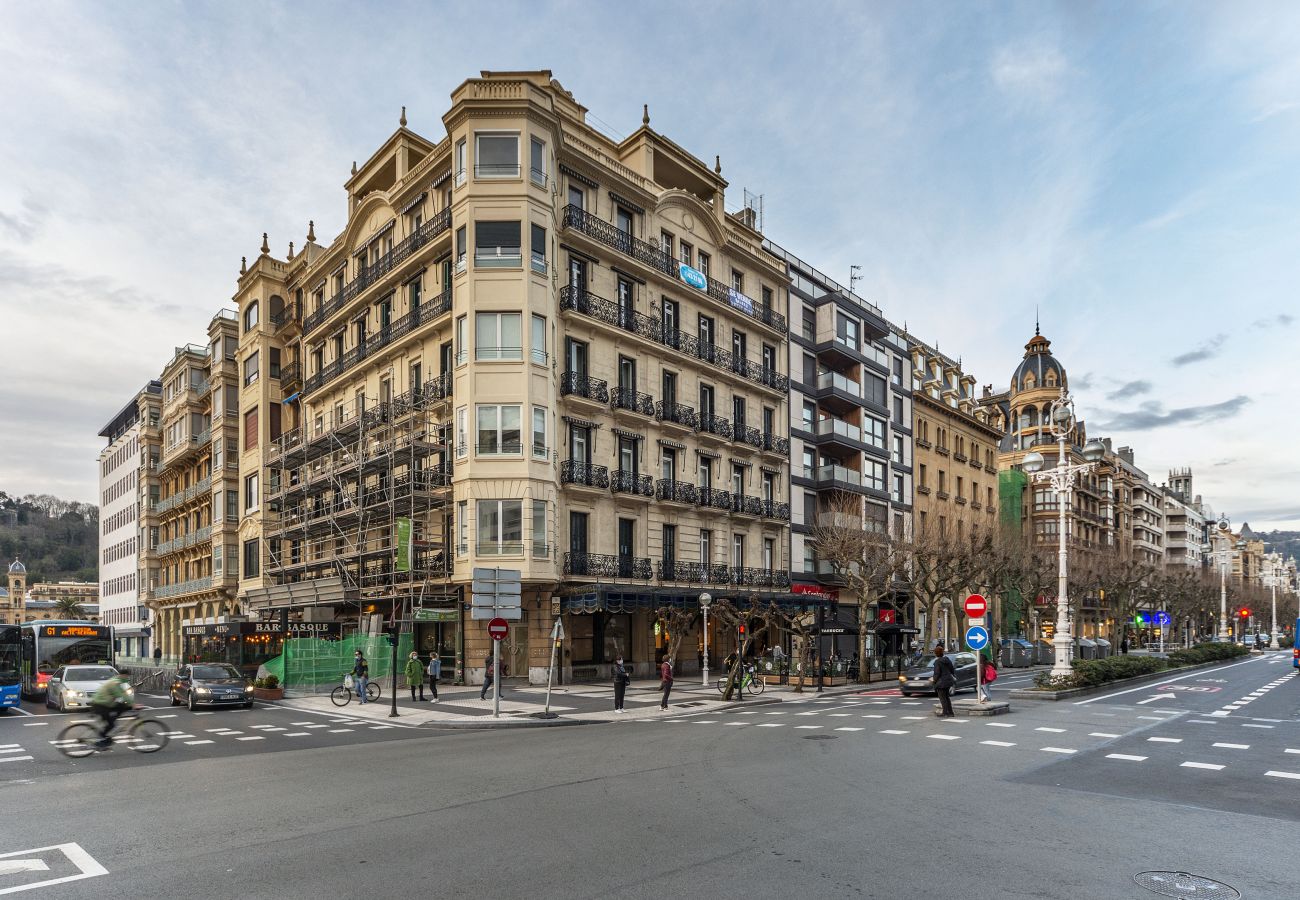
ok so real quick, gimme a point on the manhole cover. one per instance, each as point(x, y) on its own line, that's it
point(1185, 886)
point(819, 737)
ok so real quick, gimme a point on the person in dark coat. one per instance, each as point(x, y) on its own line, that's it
point(487, 678)
point(945, 676)
point(666, 680)
point(621, 679)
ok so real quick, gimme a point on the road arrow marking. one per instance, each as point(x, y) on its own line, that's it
point(1158, 697)
point(15, 866)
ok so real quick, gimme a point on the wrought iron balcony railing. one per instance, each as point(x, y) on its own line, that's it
point(603, 565)
point(715, 425)
point(575, 472)
point(607, 311)
point(773, 509)
point(748, 434)
point(585, 386)
point(677, 414)
point(625, 482)
point(634, 401)
point(712, 497)
point(676, 570)
point(676, 491)
point(750, 506)
point(776, 444)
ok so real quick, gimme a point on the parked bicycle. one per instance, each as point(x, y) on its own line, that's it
point(81, 738)
point(342, 695)
point(749, 681)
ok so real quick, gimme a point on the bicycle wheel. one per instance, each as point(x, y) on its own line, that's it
point(149, 735)
point(372, 691)
point(757, 686)
point(341, 696)
point(78, 740)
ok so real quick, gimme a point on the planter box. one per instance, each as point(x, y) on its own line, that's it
point(275, 693)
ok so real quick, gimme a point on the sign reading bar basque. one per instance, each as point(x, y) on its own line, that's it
point(291, 629)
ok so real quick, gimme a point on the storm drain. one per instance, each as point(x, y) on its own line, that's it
point(1185, 886)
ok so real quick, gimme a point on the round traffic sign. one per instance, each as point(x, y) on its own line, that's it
point(497, 628)
point(975, 606)
point(976, 637)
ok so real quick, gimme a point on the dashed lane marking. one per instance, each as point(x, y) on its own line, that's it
point(297, 734)
point(193, 743)
point(5, 759)
point(998, 743)
point(945, 737)
point(1276, 774)
point(257, 738)
point(771, 725)
point(1065, 750)
point(1054, 730)
point(873, 717)
point(1253, 725)
point(893, 731)
point(807, 726)
point(848, 729)
point(1127, 756)
point(1232, 746)
point(1165, 740)
point(1001, 724)
point(339, 730)
point(1105, 734)
point(1213, 767)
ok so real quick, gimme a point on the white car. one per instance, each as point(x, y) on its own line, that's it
point(72, 687)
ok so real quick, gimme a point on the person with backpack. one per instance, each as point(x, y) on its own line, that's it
point(435, 672)
point(666, 680)
point(621, 679)
point(945, 676)
point(988, 675)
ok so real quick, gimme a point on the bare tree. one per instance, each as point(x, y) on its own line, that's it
point(680, 621)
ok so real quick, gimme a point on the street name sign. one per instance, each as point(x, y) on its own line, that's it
point(976, 637)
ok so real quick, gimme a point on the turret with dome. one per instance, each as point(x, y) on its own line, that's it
point(1035, 385)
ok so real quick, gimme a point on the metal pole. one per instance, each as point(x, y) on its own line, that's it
point(705, 681)
point(1223, 598)
point(555, 646)
point(392, 712)
point(1272, 644)
point(821, 628)
point(1061, 640)
point(496, 680)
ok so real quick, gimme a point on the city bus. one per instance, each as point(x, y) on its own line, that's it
point(1295, 646)
point(11, 649)
point(50, 644)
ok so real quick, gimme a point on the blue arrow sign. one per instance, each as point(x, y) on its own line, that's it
point(976, 637)
point(1162, 618)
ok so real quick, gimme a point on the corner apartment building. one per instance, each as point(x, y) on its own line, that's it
point(850, 431)
point(1140, 510)
point(121, 483)
point(547, 350)
point(191, 517)
point(1187, 523)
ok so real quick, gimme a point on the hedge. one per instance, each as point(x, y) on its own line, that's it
point(1092, 672)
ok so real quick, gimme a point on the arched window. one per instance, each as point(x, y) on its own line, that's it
point(1029, 381)
point(1050, 378)
point(250, 317)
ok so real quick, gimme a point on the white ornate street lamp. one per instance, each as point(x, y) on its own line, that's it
point(1222, 540)
point(1061, 478)
point(705, 599)
point(1276, 573)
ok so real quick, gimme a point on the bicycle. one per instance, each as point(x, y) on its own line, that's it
point(342, 695)
point(82, 738)
point(749, 681)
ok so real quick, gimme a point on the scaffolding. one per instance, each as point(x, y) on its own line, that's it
point(335, 497)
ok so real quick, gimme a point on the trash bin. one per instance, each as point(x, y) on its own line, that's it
point(1017, 653)
point(1086, 648)
point(1044, 653)
point(1103, 648)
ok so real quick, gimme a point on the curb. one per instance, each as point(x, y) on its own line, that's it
point(1069, 693)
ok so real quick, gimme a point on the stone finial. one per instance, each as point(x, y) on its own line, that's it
point(717, 164)
point(645, 113)
point(243, 265)
point(311, 231)
point(402, 121)
point(290, 250)
point(266, 248)
point(354, 167)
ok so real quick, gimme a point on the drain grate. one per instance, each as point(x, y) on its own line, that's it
point(1185, 886)
point(819, 737)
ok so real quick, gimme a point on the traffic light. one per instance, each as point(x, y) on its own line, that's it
point(741, 630)
point(1244, 613)
point(390, 634)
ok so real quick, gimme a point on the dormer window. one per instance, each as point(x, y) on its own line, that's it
point(1050, 379)
point(1029, 381)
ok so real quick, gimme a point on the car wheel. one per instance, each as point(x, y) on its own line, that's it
point(248, 705)
point(172, 696)
point(192, 705)
point(48, 704)
point(63, 704)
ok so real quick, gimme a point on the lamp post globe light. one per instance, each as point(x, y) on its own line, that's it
point(1222, 540)
point(1061, 477)
point(705, 599)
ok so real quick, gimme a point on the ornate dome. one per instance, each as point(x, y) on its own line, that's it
point(17, 568)
point(1039, 368)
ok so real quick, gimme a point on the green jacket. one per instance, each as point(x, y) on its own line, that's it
point(111, 693)
point(414, 671)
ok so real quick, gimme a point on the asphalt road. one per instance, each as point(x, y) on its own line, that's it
point(861, 795)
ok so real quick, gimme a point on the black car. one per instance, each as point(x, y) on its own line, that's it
point(917, 679)
point(211, 684)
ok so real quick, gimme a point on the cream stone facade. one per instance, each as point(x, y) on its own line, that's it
point(550, 351)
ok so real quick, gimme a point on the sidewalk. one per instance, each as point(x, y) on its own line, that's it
point(573, 704)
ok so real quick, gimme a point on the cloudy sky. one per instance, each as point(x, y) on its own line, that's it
point(1131, 170)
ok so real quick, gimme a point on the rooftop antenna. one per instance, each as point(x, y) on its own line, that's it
point(754, 203)
point(855, 275)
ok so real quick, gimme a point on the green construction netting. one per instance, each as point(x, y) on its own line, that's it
point(311, 663)
point(1011, 492)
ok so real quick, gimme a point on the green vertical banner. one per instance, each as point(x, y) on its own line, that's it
point(403, 545)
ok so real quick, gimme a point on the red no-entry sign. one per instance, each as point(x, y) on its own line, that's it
point(976, 606)
point(498, 628)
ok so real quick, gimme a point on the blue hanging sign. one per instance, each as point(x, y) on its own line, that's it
point(694, 277)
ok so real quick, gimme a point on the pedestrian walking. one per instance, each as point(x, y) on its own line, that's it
point(778, 661)
point(415, 675)
point(435, 672)
point(487, 679)
point(945, 676)
point(988, 675)
point(621, 680)
point(1123, 644)
point(666, 680)
point(360, 675)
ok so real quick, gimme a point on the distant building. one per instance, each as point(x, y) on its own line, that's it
point(11, 601)
point(1186, 523)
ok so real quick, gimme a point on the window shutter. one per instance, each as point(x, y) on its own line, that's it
point(250, 429)
point(490, 235)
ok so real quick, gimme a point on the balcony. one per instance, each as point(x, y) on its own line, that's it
point(713, 498)
point(286, 316)
point(676, 491)
point(632, 401)
point(372, 274)
point(651, 256)
point(588, 304)
point(714, 427)
point(603, 565)
point(773, 509)
point(748, 577)
point(291, 377)
point(625, 482)
point(498, 257)
point(773, 443)
point(677, 414)
point(164, 591)
point(838, 432)
point(584, 474)
point(387, 334)
point(676, 570)
point(584, 387)
point(836, 476)
point(747, 434)
point(746, 506)
point(837, 392)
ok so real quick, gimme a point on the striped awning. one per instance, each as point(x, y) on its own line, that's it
point(416, 201)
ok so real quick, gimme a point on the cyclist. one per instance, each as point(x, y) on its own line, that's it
point(111, 700)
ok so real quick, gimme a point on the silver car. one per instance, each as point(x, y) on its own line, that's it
point(71, 687)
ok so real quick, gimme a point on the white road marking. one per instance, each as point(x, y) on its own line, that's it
point(697, 722)
point(807, 726)
point(1126, 756)
point(4, 747)
point(297, 734)
point(1057, 750)
point(1232, 746)
point(914, 718)
point(1275, 774)
point(1055, 730)
point(873, 717)
point(33, 724)
point(382, 727)
point(300, 724)
point(771, 725)
point(192, 743)
point(945, 737)
point(998, 743)
point(1213, 767)
point(1105, 734)
point(1165, 740)
point(17, 866)
point(848, 729)
point(5, 759)
point(735, 723)
point(1200, 721)
point(345, 730)
point(1001, 724)
point(1253, 725)
point(893, 731)
point(1147, 687)
point(1289, 750)
point(257, 738)
point(165, 716)
point(840, 715)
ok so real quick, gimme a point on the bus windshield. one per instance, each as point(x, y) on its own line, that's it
point(10, 648)
point(72, 651)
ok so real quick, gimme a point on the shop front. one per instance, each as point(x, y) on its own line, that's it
point(247, 645)
point(437, 631)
